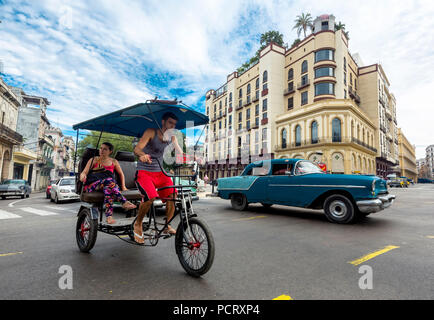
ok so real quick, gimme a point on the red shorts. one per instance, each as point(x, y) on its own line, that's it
point(147, 182)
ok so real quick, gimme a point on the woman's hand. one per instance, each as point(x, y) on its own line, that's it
point(83, 177)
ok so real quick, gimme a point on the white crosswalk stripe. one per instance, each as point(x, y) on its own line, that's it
point(8, 215)
point(70, 209)
point(39, 212)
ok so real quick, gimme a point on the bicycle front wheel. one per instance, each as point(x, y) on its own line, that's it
point(194, 246)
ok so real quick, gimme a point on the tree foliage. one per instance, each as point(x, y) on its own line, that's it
point(302, 22)
point(341, 26)
point(119, 142)
point(265, 39)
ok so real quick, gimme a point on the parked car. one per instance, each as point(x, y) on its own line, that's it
point(48, 189)
point(15, 187)
point(396, 183)
point(64, 189)
point(301, 183)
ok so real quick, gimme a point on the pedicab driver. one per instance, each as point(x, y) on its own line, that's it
point(149, 176)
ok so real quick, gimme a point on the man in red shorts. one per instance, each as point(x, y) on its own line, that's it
point(149, 176)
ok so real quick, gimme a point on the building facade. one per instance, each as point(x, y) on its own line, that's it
point(32, 125)
point(9, 137)
point(430, 160)
point(407, 157)
point(312, 101)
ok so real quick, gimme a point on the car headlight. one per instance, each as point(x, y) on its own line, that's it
point(373, 188)
point(63, 190)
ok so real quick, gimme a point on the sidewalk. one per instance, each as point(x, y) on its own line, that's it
point(207, 192)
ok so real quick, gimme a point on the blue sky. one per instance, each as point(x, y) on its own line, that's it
point(93, 57)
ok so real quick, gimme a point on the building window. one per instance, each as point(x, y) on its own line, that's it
point(324, 25)
point(248, 89)
point(324, 72)
point(230, 97)
point(336, 130)
point(304, 98)
point(314, 132)
point(345, 94)
point(240, 93)
point(220, 105)
point(324, 88)
point(265, 76)
point(304, 66)
point(284, 138)
point(257, 84)
point(304, 80)
point(290, 103)
point(264, 105)
point(257, 110)
point(325, 54)
point(290, 74)
point(215, 108)
point(291, 86)
point(264, 116)
point(247, 114)
point(345, 78)
point(345, 64)
point(298, 135)
point(230, 122)
point(220, 125)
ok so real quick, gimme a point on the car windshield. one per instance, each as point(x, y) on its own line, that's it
point(67, 182)
point(14, 182)
point(305, 167)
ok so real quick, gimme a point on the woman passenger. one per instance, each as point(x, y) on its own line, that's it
point(107, 185)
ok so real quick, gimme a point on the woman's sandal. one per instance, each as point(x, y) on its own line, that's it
point(128, 206)
point(110, 220)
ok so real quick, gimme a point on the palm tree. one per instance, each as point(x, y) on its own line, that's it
point(341, 26)
point(302, 23)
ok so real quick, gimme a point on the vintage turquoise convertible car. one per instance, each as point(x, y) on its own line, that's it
point(301, 183)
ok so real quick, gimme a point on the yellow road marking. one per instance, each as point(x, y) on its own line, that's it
point(251, 218)
point(283, 297)
point(9, 254)
point(372, 255)
point(125, 236)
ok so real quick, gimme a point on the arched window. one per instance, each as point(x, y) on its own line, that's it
point(304, 66)
point(284, 138)
point(240, 93)
point(230, 97)
point(265, 76)
point(298, 135)
point(314, 132)
point(291, 74)
point(248, 88)
point(336, 130)
point(257, 84)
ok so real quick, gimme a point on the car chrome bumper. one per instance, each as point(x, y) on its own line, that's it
point(375, 205)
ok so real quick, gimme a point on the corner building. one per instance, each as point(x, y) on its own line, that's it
point(312, 101)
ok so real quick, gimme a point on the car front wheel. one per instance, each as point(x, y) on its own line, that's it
point(339, 209)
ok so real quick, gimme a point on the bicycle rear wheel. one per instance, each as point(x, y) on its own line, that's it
point(86, 230)
point(194, 246)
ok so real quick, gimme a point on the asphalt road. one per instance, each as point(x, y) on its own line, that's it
point(260, 254)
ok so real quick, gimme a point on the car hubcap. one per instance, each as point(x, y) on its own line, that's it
point(338, 209)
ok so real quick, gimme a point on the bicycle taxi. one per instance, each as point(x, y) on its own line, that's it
point(194, 243)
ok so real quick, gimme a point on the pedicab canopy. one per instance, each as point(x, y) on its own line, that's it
point(134, 120)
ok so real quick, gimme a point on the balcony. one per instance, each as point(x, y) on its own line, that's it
point(239, 106)
point(353, 94)
point(264, 121)
point(302, 85)
point(10, 135)
point(380, 98)
point(230, 109)
point(255, 98)
point(383, 128)
point(264, 92)
point(354, 140)
point(288, 91)
point(247, 102)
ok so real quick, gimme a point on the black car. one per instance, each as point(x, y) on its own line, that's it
point(15, 187)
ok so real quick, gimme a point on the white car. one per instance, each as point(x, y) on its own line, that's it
point(64, 189)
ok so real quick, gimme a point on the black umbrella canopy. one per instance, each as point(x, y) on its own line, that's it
point(134, 120)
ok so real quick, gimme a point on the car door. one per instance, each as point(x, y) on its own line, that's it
point(281, 184)
point(54, 189)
